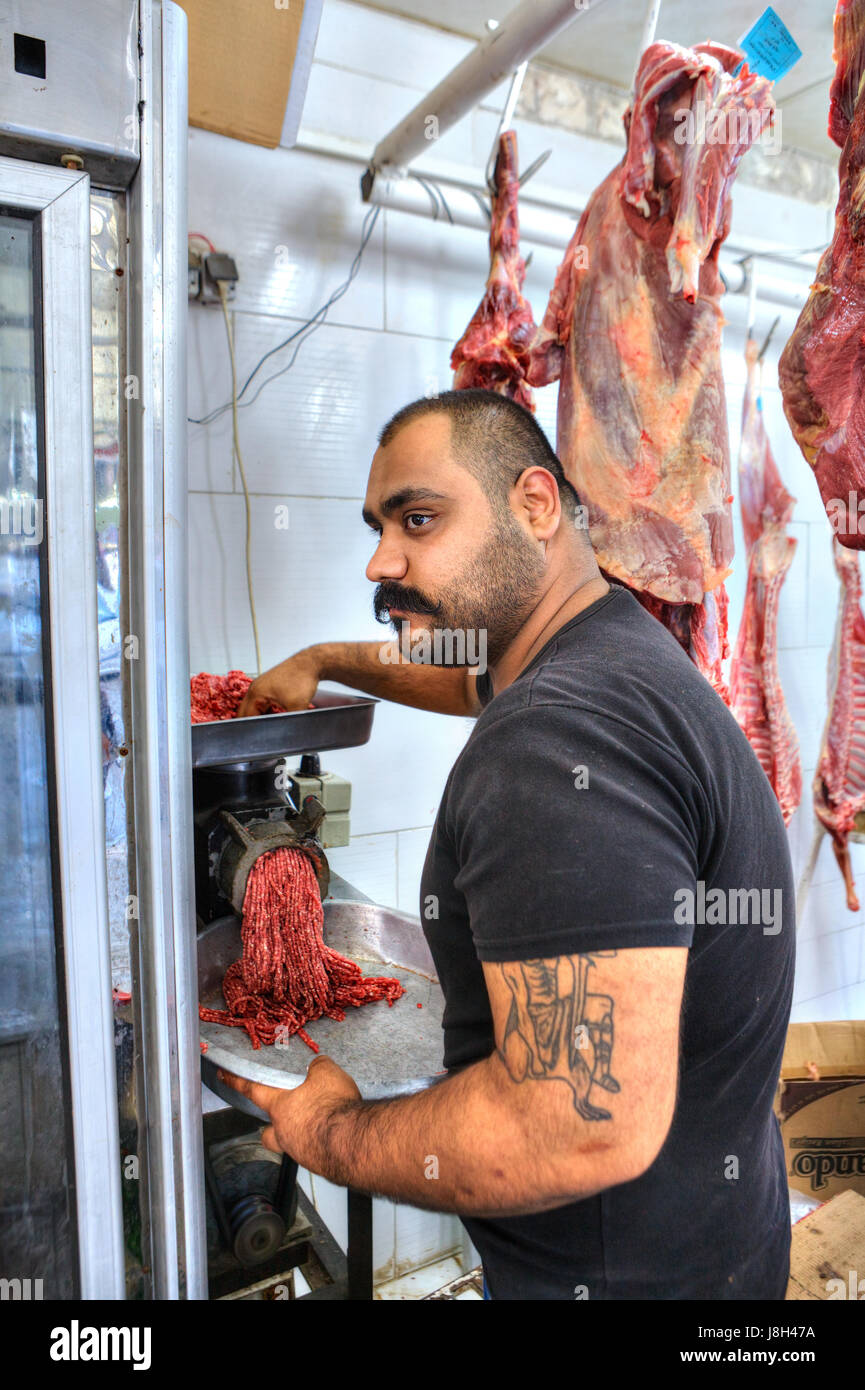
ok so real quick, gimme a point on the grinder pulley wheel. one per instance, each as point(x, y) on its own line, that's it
point(257, 1230)
point(247, 842)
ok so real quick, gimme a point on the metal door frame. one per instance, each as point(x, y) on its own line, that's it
point(167, 985)
point(60, 202)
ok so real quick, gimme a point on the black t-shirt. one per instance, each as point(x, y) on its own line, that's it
point(526, 860)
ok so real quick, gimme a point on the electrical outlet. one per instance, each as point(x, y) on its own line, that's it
point(217, 267)
point(205, 273)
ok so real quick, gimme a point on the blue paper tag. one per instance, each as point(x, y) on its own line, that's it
point(769, 47)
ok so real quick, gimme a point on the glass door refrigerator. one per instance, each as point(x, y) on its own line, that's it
point(101, 1192)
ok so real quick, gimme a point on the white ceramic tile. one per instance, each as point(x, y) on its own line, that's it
point(383, 1239)
point(469, 1256)
point(793, 223)
point(827, 963)
point(368, 862)
point(304, 1182)
point(797, 474)
point(331, 1205)
point(292, 221)
point(420, 1282)
point(435, 275)
point(824, 589)
point(848, 1002)
point(424, 1236)
point(411, 852)
point(314, 431)
point(826, 909)
point(308, 579)
point(398, 777)
point(803, 677)
point(208, 385)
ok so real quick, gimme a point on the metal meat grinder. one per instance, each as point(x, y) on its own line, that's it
point(245, 804)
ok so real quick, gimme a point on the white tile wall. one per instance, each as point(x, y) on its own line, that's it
point(293, 219)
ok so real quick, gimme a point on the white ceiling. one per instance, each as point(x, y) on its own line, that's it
point(603, 43)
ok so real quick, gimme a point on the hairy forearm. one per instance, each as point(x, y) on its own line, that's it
point(465, 1145)
point(444, 690)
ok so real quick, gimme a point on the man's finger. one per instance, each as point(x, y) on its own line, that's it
point(268, 1139)
point(260, 1095)
point(250, 704)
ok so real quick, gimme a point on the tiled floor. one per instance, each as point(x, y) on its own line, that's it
point(421, 1283)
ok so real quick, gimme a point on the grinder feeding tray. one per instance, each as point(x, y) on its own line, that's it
point(335, 721)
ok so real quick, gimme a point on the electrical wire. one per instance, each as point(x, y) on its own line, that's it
point(305, 330)
point(223, 296)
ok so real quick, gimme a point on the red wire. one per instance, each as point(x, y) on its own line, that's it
point(201, 237)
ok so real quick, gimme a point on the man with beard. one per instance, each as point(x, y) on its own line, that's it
point(605, 1128)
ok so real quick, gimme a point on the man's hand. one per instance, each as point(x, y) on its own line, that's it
point(291, 684)
point(372, 667)
point(299, 1116)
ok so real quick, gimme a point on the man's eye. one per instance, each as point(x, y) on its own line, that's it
point(417, 516)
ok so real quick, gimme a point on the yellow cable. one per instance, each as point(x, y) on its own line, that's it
point(223, 295)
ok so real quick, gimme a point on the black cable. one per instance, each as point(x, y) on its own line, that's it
point(305, 329)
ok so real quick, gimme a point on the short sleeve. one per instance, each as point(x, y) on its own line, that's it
point(573, 831)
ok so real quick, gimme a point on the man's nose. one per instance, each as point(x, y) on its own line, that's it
point(388, 562)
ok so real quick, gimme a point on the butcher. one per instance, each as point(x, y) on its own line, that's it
point(594, 897)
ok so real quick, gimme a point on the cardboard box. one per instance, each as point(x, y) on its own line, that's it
point(241, 59)
point(820, 1104)
point(827, 1252)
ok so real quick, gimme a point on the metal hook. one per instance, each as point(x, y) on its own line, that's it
point(533, 168)
point(768, 338)
point(505, 122)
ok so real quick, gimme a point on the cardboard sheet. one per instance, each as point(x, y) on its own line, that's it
point(241, 58)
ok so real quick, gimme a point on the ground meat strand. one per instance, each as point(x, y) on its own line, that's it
point(287, 976)
point(218, 697)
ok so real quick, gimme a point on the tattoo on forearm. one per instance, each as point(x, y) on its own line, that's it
point(557, 1030)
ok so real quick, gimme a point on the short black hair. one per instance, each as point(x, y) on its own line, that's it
point(493, 437)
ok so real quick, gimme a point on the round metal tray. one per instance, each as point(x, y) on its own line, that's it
point(387, 1050)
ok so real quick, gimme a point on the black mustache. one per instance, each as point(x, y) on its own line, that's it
point(388, 596)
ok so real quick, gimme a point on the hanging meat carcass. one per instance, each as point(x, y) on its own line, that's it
point(821, 369)
point(493, 353)
point(839, 782)
point(756, 697)
point(633, 331)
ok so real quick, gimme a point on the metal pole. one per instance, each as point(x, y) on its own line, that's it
point(547, 226)
point(520, 36)
point(650, 24)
